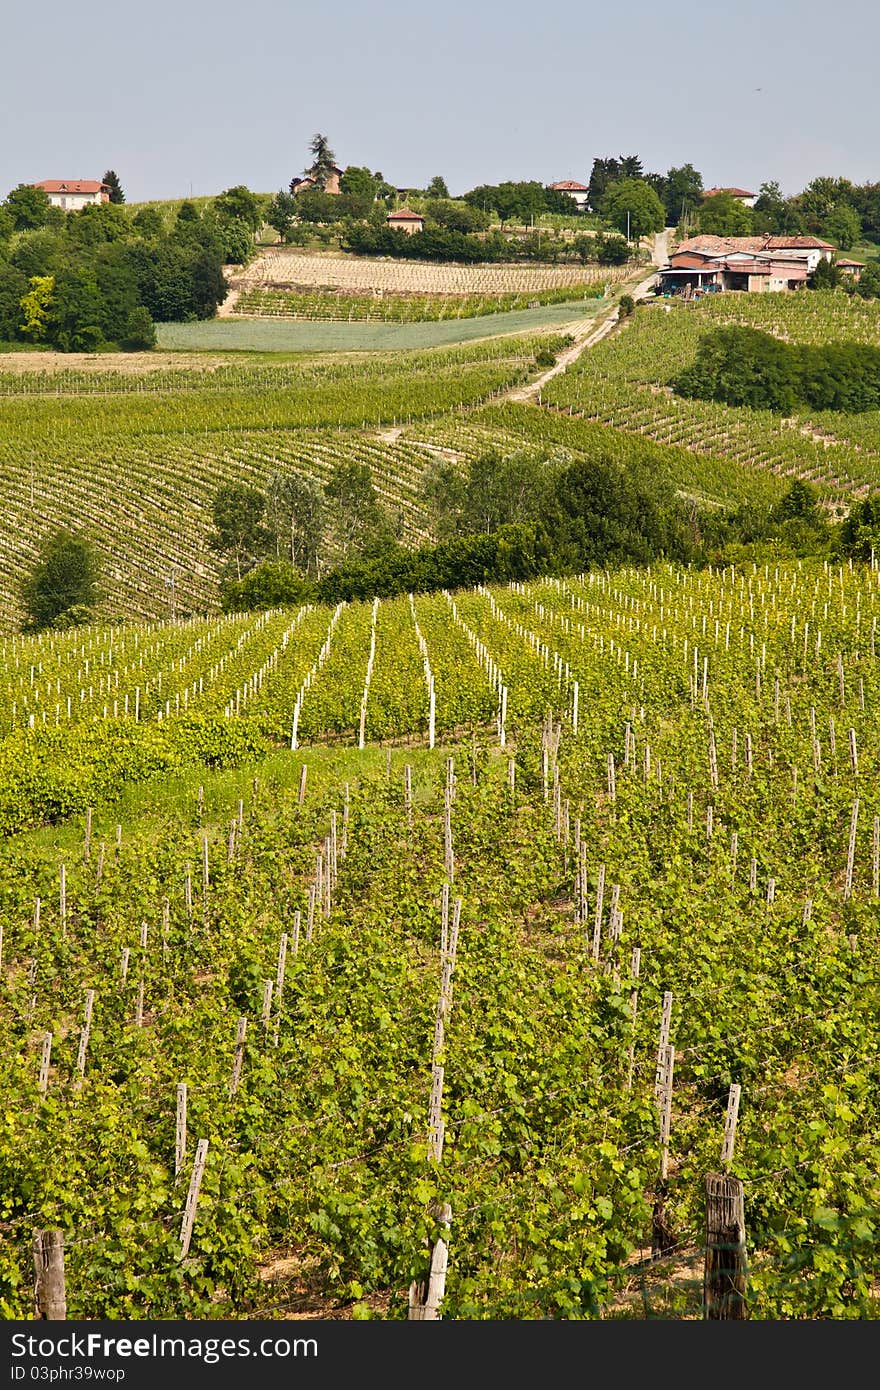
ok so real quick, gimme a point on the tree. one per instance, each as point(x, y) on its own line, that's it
point(149, 223)
point(724, 215)
point(13, 288)
point(237, 513)
point(611, 249)
point(355, 511)
point(843, 226)
point(798, 503)
point(633, 207)
point(62, 588)
point(437, 188)
point(111, 179)
point(868, 284)
point(140, 331)
point(683, 193)
point(272, 584)
point(36, 305)
point(241, 204)
point(323, 160)
point(826, 276)
point(29, 207)
point(820, 197)
point(73, 323)
point(282, 213)
point(7, 226)
point(296, 513)
point(860, 531)
point(358, 182)
point(236, 240)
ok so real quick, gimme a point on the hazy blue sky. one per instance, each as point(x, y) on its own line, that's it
point(180, 95)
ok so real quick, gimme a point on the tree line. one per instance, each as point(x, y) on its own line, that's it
point(104, 275)
point(525, 514)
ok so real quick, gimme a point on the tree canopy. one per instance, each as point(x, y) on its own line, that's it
point(62, 587)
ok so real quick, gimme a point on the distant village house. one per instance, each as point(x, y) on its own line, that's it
point(73, 194)
point(756, 264)
point(742, 195)
point(579, 193)
point(331, 183)
point(404, 220)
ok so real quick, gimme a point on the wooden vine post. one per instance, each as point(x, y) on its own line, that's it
point(725, 1270)
point(50, 1294)
point(192, 1197)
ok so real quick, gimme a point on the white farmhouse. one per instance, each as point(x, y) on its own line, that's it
point(73, 194)
point(579, 193)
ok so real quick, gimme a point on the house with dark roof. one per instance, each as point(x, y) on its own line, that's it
point(73, 194)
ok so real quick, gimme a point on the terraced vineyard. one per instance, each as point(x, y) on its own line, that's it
point(517, 972)
point(624, 383)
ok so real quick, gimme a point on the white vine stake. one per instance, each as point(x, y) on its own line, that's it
point(84, 1036)
point(730, 1124)
point(851, 851)
point(180, 1129)
point(43, 1082)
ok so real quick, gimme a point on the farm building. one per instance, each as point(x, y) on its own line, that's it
point(578, 192)
point(404, 220)
point(756, 264)
point(73, 194)
point(852, 268)
point(742, 195)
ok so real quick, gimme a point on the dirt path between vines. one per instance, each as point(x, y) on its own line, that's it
point(586, 335)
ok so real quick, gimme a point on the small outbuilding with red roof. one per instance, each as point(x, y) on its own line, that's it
point(405, 220)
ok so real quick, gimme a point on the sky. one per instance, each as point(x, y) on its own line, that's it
point(188, 97)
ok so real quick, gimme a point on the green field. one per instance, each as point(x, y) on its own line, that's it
point(261, 335)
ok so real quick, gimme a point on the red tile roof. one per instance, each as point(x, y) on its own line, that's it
point(70, 186)
point(803, 243)
point(735, 192)
point(708, 245)
point(569, 186)
point(404, 215)
point(852, 265)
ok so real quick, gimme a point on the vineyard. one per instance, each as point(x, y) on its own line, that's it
point(136, 459)
point(396, 308)
point(624, 383)
point(281, 1007)
point(358, 275)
